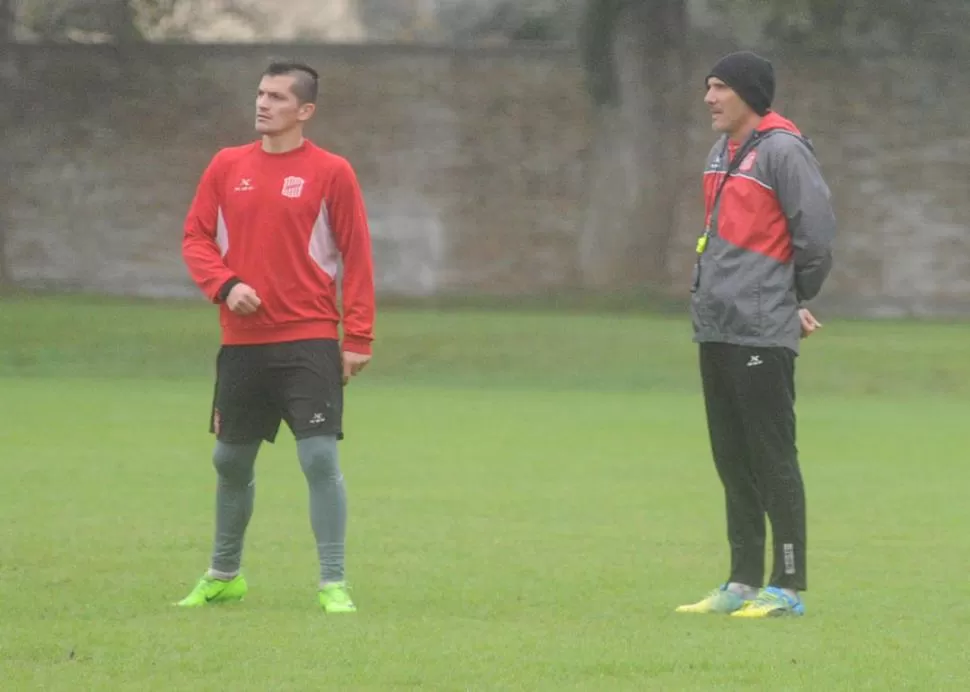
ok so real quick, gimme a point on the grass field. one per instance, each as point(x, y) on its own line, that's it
point(531, 494)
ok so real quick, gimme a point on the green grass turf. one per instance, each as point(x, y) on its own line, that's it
point(531, 494)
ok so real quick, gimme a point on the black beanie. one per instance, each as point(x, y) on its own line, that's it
point(750, 75)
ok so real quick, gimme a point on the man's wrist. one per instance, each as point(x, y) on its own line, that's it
point(226, 288)
point(361, 346)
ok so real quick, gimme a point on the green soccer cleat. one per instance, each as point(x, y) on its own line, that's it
point(212, 591)
point(335, 598)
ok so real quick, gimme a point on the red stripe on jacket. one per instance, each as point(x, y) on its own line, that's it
point(749, 214)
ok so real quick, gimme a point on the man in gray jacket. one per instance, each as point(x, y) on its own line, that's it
point(766, 249)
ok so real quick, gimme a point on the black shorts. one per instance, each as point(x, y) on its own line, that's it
point(257, 386)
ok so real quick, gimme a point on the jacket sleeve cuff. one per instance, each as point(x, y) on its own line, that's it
point(356, 345)
point(226, 288)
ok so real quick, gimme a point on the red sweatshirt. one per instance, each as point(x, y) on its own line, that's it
point(282, 223)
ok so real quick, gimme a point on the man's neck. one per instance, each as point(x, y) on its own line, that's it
point(743, 132)
point(283, 142)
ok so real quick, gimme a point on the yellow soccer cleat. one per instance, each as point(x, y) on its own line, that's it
point(721, 601)
point(771, 602)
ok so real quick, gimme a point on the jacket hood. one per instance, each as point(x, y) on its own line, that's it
point(773, 121)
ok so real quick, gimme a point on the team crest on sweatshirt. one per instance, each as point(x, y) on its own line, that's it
point(293, 186)
point(748, 163)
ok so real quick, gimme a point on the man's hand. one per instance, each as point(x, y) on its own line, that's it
point(242, 299)
point(353, 363)
point(809, 323)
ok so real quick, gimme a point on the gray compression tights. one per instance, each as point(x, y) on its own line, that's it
point(235, 491)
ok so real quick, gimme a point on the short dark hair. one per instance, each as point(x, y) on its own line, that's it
point(306, 82)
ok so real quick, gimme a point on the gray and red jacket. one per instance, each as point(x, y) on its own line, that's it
point(769, 239)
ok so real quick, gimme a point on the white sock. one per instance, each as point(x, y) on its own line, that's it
point(792, 593)
point(223, 576)
point(743, 590)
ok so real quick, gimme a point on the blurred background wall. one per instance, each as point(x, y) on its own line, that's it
point(509, 149)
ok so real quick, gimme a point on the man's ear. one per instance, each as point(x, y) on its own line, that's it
point(306, 111)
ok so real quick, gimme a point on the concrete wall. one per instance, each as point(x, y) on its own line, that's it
point(473, 163)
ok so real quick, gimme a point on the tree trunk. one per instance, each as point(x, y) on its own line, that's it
point(640, 138)
point(8, 83)
point(6, 21)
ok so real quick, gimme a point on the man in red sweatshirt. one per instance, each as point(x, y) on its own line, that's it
point(271, 223)
point(766, 250)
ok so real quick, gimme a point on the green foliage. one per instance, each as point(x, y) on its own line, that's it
point(911, 26)
point(556, 21)
point(115, 20)
point(79, 20)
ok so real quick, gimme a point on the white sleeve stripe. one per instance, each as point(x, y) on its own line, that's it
point(222, 233)
point(752, 179)
point(323, 247)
